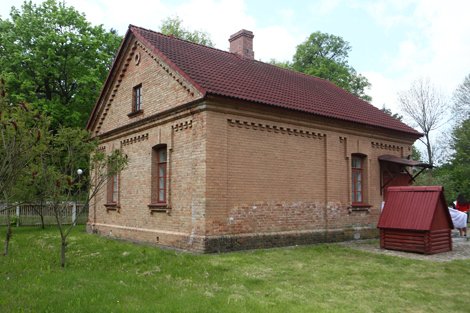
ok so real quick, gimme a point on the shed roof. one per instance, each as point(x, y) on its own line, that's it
point(221, 73)
point(394, 159)
point(412, 208)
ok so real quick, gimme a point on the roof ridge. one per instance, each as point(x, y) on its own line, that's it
point(187, 41)
point(230, 53)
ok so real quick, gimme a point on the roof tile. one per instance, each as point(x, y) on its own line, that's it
point(222, 73)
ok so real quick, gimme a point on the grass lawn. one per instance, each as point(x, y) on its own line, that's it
point(104, 275)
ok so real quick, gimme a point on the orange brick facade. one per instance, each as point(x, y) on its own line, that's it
point(239, 175)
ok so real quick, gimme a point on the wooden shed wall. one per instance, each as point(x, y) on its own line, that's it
point(427, 242)
point(402, 239)
point(439, 241)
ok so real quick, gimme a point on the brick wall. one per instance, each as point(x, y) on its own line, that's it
point(272, 175)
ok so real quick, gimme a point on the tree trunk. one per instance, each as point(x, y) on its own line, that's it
point(63, 252)
point(7, 241)
point(428, 147)
point(42, 221)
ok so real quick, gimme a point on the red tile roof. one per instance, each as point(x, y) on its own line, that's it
point(412, 208)
point(222, 73)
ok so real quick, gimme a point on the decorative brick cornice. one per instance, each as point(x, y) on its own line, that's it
point(380, 145)
point(276, 129)
point(183, 125)
point(135, 139)
point(101, 148)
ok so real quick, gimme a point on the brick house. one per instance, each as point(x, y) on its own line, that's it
point(229, 153)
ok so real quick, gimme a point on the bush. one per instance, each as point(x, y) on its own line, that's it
point(14, 220)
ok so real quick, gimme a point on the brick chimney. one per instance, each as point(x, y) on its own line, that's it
point(241, 43)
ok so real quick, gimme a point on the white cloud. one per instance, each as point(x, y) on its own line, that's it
point(220, 19)
point(274, 42)
point(384, 90)
point(322, 7)
point(388, 13)
point(437, 45)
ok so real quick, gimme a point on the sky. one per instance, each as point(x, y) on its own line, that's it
point(394, 42)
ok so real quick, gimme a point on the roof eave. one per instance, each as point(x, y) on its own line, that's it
point(118, 55)
point(417, 135)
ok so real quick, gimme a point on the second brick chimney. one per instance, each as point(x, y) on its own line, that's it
point(241, 43)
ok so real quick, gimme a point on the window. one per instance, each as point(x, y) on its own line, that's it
point(112, 190)
point(159, 175)
point(162, 175)
point(137, 98)
point(356, 179)
point(115, 189)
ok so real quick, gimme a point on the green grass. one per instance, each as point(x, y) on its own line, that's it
point(104, 275)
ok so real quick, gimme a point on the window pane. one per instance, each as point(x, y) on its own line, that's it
point(358, 163)
point(358, 176)
point(115, 197)
point(358, 186)
point(161, 171)
point(162, 156)
point(352, 186)
point(353, 175)
point(358, 197)
point(161, 183)
point(161, 195)
point(353, 198)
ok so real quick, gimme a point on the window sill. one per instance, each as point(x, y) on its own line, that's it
point(359, 207)
point(133, 114)
point(159, 207)
point(113, 207)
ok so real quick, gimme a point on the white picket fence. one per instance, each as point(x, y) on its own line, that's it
point(29, 214)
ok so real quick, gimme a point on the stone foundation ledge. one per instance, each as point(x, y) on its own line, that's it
point(238, 242)
point(231, 242)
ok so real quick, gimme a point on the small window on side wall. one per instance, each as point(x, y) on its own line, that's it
point(113, 190)
point(159, 175)
point(137, 98)
point(357, 179)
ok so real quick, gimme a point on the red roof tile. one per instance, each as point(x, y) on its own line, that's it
point(412, 207)
point(218, 72)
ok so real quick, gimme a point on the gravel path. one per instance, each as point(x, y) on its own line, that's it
point(460, 251)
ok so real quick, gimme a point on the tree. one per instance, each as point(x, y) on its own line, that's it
point(60, 182)
point(461, 99)
point(173, 26)
point(326, 56)
point(23, 135)
point(285, 64)
point(460, 159)
point(389, 112)
point(425, 107)
point(53, 58)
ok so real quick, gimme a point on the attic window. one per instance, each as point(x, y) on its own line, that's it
point(137, 58)
point(137, 98)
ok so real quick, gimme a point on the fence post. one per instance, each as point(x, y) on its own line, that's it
point(18, 214)
point(74, 213)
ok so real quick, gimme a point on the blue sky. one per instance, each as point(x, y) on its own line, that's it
point(393, 41)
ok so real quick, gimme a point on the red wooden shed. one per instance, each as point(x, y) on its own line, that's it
point(416, 219)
